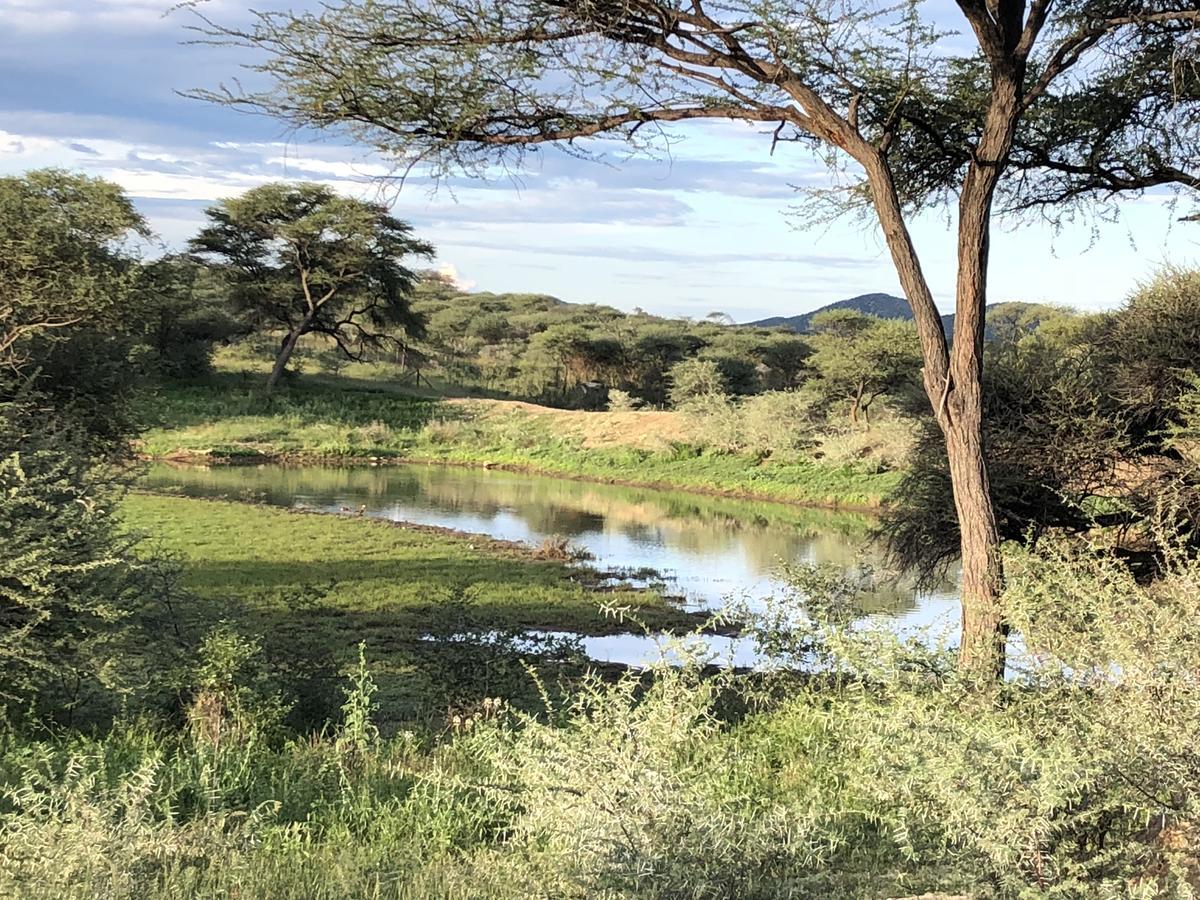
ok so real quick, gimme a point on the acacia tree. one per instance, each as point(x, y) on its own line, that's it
point(859, 357)
point(302, 258)
point(1048, 104)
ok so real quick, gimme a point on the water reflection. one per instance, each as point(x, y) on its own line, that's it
point(708, 548)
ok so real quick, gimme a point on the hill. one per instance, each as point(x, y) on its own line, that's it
point(885, 306)
point(1010, 313)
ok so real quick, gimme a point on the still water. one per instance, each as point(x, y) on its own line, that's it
point(708, 550)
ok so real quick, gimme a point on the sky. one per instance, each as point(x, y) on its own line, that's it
point(93, 85)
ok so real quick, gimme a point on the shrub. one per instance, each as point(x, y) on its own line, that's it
point(1077, 777)
point(694, 378)
point(634, 794)
point(781, 422)
point(71, 586)
point(623, 401)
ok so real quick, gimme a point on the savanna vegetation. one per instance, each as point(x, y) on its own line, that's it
point(1048, 109)
point(221, 699)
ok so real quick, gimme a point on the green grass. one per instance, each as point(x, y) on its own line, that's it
point(314, 586)
point(327, 418)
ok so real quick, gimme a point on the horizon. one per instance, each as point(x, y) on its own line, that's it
point(710, 228)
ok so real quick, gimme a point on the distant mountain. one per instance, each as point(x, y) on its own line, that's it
point(885, 306)
point(888, 306)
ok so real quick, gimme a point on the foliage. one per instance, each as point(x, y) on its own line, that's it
point(184, 313)
point(1184, 432)
point(359, 732)
point(74, 599)
point(71, 285)
point(69, 582)
point(467, 86)
point(776, 422)
point(622, 401)
point(858, 358)
point(65, 259)
point(693, 378)
point(302, 258)
point(1079, 428)
point(233, 696)
point(1151, 347)
point(562, 354)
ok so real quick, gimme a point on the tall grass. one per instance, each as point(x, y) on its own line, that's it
point(894, 777)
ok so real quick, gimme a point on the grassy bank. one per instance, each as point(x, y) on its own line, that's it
point(341, 419)
point(314, 586)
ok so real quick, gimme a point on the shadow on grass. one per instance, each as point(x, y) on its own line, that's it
point(428, 662)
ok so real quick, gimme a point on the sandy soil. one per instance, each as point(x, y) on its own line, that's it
point(649, 430)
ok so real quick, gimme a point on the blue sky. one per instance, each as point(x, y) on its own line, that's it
point(91, 86)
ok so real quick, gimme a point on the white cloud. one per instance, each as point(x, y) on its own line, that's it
point(48, 16)
point(333, 168)
point(450, 272)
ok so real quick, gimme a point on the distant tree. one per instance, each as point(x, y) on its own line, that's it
point(184, 312)
point(1011, 321)
point(491, 328)
point(653, 349)
point(1052, 104)
point(858, 357)
point(449, 327)
point(739, 372)
point(302, 258)
point(786, 358)
point(696, 378)
point(435, 284)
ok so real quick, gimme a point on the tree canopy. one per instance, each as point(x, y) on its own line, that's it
point(66, 258)
point(302, 258)
point(859, 357)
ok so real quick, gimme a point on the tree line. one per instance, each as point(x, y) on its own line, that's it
point(1084, 413)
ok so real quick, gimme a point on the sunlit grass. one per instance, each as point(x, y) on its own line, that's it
point(316, 585)
point(228, 417)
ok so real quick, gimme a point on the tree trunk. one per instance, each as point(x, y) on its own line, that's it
point(984, 629)
point(955, 392)
point(285, 354)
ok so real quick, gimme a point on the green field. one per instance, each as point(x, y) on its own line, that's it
point(314, 586)
point(315, 419)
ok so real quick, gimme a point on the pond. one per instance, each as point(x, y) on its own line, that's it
point(708, 550)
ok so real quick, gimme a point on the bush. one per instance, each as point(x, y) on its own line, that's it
point(623, 401)
point(885, 447)
point(695, 378)
point(1076, 777)
point(69, 582)
point(779, 422)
